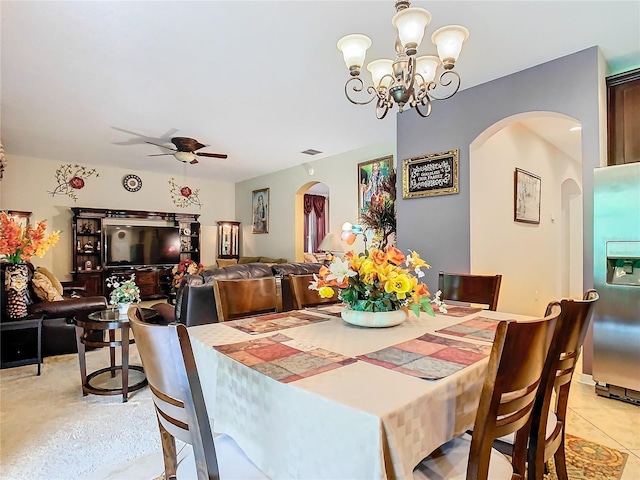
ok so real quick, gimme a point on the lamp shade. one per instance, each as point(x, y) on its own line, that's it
point(331, 243)
point(426, 66)
point(354, 49)
point(381, 72)
point(449, 41)
point(411, 23)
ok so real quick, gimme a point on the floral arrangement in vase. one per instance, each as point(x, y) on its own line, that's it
point(124, 291)
point(185, 267)
point(378, 281)
point(18, 244)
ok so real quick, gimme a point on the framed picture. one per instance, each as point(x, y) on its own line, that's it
point(22, 218)
point(370, 176)
point(260, 211)
point(430, 175)
point(526, 197)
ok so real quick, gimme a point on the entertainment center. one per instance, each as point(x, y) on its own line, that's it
point(110, 242)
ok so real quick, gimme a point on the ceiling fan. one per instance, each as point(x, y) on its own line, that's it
point(185, 150)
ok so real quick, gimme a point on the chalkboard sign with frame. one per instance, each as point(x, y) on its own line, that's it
point(429, 175)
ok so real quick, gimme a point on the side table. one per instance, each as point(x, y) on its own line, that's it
point(109, 321)
point(32, 321)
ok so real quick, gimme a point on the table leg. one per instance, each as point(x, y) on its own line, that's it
point(125, 361)
point(112, 352)
point(81, 358)
point(39, 345)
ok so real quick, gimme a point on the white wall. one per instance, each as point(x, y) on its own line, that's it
point(529, 257)
point(339, 173)
point(27, 182)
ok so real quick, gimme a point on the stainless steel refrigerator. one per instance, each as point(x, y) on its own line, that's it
point(616, 327)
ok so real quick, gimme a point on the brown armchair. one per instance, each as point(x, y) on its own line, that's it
point(58, 331)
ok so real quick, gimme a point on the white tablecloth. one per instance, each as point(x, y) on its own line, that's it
point(360, 421)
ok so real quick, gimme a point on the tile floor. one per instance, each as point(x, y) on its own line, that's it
point(609, 422)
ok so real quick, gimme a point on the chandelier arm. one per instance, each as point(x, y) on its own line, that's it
point(445, 82)
point(357, 87)
point(382, 107)
point(425, 102)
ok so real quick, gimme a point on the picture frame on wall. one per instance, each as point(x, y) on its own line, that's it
point(526, 197)
point(370, 175)
point(260, 211)
point(22, 218)
point(430, 175)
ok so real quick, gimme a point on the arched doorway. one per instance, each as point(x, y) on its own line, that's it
point(539, 262)
point(313, 236)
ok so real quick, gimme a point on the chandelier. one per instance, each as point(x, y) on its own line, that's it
point(407, 80)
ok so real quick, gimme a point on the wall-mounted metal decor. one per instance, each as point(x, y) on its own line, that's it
point(183, 196)
point(429, 175)
point(71, 178)
point(526, 197)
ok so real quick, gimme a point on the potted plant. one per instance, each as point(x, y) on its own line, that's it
point(124, 293)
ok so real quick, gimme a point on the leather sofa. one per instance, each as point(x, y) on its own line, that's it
point(58, 330)
point(195, 300)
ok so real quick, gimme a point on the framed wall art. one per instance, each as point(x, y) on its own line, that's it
point(526, 197)
point(431, 174)
point(260, 211)
point(22, 218)
point(370, 176)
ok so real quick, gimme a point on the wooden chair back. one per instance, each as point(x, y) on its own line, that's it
point(515, 366)
point(460, 287)
point(248, 296)
point(564, 352)
point(303, 297)
point(171, 371)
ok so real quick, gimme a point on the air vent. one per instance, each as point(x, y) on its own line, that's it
point(311, 151)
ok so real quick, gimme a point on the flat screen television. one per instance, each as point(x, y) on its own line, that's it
point(136, 246)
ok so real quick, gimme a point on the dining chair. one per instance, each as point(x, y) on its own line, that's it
point(461, 287)
point(247, 296)
point(548, 421)
point(173, 378)
point(303, 297)
point(513, 374)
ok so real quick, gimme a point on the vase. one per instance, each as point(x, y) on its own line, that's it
point(123, 308)
point(16, 283)
point(373, 319)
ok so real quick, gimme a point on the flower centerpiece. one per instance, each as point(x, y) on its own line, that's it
point(377, 281)
point(17, 245)
point(185, 267)
point(124, 293)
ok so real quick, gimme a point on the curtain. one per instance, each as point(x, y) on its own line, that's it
point(315, 221)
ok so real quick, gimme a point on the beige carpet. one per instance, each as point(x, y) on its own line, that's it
point(48, 430)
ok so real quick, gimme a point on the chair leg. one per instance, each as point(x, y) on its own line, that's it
point(560, 461)
point(169, 453)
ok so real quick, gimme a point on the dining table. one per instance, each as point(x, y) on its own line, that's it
point(308, 396)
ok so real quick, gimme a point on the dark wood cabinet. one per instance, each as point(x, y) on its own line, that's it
point(90, 226)
point(623, 118)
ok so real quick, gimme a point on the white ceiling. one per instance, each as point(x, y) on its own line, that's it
point(90, 82)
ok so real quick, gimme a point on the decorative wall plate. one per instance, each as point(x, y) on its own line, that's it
point(132, 183)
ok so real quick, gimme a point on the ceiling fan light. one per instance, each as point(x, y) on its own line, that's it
point(449, 41)
point(354, 49)
point(411, 23)
point(381, 72)
point(426, 66)
point(185, 157)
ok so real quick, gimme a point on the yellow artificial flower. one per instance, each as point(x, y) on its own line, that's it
point(325, 292)
point(398, 283)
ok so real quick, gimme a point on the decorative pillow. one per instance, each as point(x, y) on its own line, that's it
point(249, 259)
point(54, 281)
point(224, 262)
point(272, 260)
point(44, 289)
point(310, 258)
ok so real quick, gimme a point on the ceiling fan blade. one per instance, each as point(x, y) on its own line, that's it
point(185, 144)
point(159, 154)
point(163, 146)
point(214, 155)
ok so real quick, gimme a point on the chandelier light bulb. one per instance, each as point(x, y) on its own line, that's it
point(449, 41)
point(354, 49)
point(411, 23)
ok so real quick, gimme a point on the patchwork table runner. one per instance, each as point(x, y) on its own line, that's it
point(333, 309)
point(273, 322)
point(283, 358)
point(457, 311)
point(479, 328)
point(428, 356)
